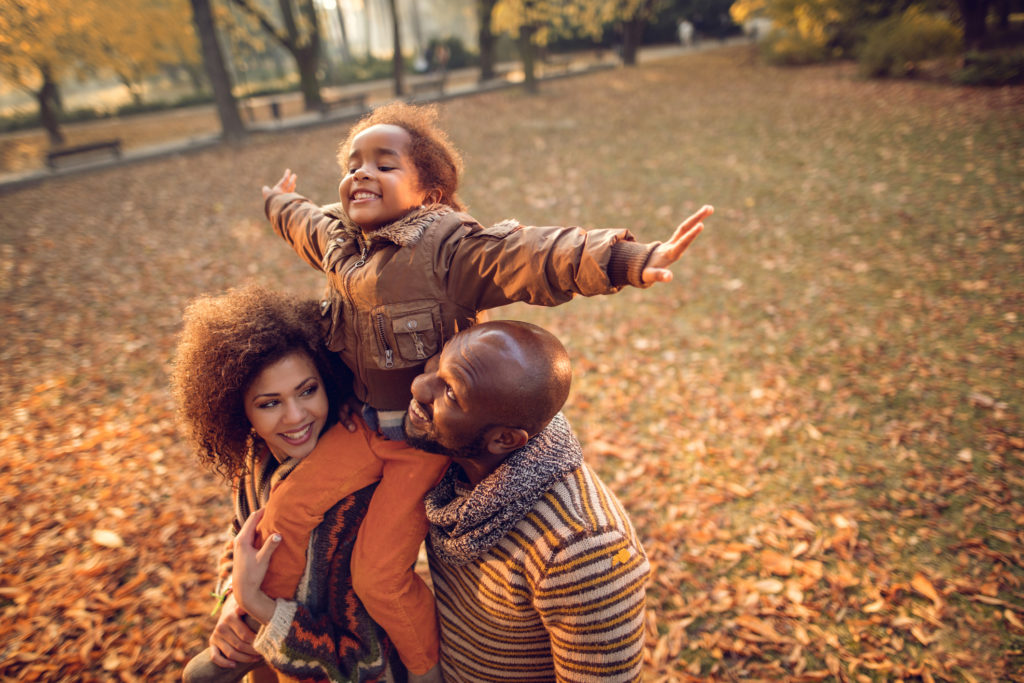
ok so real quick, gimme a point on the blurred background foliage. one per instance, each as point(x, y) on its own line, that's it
point(68, 60)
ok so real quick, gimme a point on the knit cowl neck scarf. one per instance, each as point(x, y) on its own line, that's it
point(463, 527)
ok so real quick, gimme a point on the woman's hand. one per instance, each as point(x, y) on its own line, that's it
point(250, 566)
point(231, 640)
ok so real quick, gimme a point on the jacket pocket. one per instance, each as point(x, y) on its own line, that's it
point(407, 333)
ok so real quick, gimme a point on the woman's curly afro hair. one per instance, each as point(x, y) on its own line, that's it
point(438, 162)
point(226, 341)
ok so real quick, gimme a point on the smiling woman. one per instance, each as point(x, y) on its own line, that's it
point(255, 389)
point(287, 406)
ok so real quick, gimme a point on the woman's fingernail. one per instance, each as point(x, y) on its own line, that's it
point(276, 538)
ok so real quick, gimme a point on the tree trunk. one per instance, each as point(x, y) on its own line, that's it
point(528, 53)
point(632, 32)
point(231, 125)
point(973, 14)
point(417, 27)
point(307, 59)
point(306, 53)
point(398, 64)
point(346, 52)
point(485, 38)
point(49, 106)
point(367, 29)
point(133, 88)
point(1002, 8)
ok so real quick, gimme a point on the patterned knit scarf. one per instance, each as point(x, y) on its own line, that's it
point(464, 527)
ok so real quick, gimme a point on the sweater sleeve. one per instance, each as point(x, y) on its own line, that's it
point(591, 599)
point(301, 223)
point(544, 266)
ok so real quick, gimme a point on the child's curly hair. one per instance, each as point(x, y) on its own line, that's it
point(438, 163)
point(226, 341)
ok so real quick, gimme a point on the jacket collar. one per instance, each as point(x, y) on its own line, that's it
point(405, 232)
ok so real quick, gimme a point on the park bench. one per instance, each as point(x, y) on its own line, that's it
point(251, 106)
point(113, 146)
point(557, 64)
point(432, 85)
point(356, 102)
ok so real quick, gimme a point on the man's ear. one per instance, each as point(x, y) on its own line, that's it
point(504, 440)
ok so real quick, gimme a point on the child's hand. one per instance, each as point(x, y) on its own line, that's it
point(285, 184)
point(669, 252)
point(348, 410)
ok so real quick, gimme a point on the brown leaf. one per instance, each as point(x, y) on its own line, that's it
point(761, 628)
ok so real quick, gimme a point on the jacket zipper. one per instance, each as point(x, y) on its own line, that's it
point(389, 355)
point(347, 280)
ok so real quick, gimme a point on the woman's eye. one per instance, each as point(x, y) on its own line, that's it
point(268, 404)
point(310, 390)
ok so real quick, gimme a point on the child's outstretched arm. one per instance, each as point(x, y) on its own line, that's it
point(297, 220)
point(287, 183)
point(667, 253)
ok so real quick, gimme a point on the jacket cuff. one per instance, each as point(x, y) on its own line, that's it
point(626, 262)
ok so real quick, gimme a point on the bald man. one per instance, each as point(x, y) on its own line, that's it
point(537, 570)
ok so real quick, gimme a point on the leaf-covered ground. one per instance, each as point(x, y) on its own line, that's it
point(817, 427)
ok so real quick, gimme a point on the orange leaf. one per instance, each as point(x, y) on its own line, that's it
point(876, 606)
point(1014, 620)
point(922, 585)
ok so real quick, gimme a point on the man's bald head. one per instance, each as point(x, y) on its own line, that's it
point(492, 388)
point(524, 369)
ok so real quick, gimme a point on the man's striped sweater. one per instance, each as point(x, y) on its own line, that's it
point(559, 596)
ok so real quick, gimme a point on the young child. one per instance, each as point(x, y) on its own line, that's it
point(406, 269)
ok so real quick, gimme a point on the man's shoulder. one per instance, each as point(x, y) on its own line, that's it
point(577, 523)
point(579, 506)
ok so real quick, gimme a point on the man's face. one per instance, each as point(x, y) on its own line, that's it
point(451, 407)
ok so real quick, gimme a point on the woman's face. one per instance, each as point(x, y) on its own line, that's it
point(287, 406)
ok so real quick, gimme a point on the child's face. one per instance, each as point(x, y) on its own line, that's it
point(381, 183)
